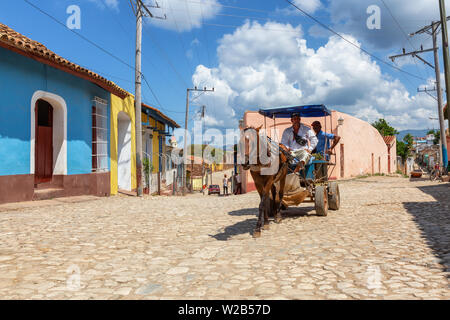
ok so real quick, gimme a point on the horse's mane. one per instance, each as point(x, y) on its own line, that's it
point(252, 127)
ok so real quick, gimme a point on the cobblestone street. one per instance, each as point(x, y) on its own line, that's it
point(390, 240)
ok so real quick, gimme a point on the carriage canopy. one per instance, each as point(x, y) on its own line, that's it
point(309, 111)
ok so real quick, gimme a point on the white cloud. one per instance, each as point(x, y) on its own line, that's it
point(310, 6)
point(183, 15)
point(255, 72)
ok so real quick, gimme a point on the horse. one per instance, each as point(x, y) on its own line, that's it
point(265, 182)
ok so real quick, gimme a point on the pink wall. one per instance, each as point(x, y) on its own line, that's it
point(448, 148)
point(359, 140)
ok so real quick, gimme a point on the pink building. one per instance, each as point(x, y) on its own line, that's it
point(362, 150)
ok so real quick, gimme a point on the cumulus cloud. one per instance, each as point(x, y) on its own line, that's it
point(183, 15)
point(261, 67)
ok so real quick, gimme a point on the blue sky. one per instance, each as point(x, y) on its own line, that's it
point(255, 54)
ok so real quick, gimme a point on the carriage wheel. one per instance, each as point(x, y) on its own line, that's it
point(334, 198)
point(321, 200)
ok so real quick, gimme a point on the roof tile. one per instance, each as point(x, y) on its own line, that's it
point(11, 38)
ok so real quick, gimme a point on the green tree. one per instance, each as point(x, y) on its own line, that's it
point(437, 135)
point(409, 140)
point(384, 128)
point(404, 147)
point(402, 150)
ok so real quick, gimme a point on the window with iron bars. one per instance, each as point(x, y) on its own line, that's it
point(99, 135)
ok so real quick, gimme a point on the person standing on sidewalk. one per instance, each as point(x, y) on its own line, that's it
point(225, 185)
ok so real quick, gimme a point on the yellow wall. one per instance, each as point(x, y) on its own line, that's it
point(155, 141)
point(126, 105)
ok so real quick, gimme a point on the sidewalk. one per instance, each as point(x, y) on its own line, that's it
point(16, 206)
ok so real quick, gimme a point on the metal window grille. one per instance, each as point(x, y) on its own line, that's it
point(99, 135)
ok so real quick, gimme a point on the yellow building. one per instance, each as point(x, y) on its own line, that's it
point(123, 144)
point(156, 126)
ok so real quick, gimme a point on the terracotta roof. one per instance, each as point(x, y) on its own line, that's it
point(162, 115)
point(389, 140)
point(18, 43)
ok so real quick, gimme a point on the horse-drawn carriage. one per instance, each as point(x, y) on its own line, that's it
point(285, 187)
point(313, 181)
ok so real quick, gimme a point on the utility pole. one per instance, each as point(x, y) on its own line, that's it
point(444, 32)
point(427, 91)
point(203, 164)
point(185, 151)
point(138, 99)
point(140, 6)
point(434, 29)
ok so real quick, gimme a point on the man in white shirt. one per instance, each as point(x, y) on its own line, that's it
point(300, 141)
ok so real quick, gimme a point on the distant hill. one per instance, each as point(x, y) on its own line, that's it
point(414, 133)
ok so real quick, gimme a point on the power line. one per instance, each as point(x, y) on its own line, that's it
point(104, 50)
point(231, 7)
point(180, 38)
point(164, 54)
point(403, 32)
point(348, 41)
point(235, 26)
point(80, 35)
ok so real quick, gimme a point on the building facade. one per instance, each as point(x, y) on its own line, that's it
point(54, 123)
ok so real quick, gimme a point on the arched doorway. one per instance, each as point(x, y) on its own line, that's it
point(124, 151)
point(40, 117)
point(43, 142)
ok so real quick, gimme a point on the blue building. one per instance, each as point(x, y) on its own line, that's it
point(54, 123)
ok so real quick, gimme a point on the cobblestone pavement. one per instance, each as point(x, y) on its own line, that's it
point(390, 240)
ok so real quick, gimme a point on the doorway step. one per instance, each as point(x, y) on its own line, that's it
point(49, 190)
point(49, 193)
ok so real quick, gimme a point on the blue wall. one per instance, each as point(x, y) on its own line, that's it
point(20, 78)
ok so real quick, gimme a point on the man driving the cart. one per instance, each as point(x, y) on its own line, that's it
point(300, 140)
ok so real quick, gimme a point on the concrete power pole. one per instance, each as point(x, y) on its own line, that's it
point(138, 99)
point(444, 19)
point(185, 151)
point(140, 6)
point(443, 149)
point(203, 163)
point(433, 27)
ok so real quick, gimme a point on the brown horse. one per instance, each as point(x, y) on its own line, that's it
point(265, 172)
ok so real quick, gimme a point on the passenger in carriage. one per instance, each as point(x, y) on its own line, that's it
point(296, 139)
point(323, 145)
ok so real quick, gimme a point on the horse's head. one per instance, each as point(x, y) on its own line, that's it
point(249, 146)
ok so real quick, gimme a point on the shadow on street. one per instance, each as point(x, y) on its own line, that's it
point(247, 226)
point(433, 219)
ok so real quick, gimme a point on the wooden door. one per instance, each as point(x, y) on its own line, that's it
point(44, 142)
